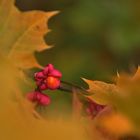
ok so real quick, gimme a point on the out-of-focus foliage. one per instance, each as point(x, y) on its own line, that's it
point(22, 35)
point(128, 99)
point(124, 96)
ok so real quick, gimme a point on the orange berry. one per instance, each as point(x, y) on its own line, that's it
point(52, 82)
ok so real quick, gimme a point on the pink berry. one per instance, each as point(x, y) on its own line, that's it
point(39, 82)
point(39, 98)
point(48, 78)
point(50, 67)
point(43, 99)
point(52, 83)
point(45, 71)
point(55, 73)
point(42, 86)
point(93, 108)
point(31, 96)
point(39, 75)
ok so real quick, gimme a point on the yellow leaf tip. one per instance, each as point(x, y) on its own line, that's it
point(118, 75)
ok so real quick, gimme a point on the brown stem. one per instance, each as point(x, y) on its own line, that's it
point(68, 87)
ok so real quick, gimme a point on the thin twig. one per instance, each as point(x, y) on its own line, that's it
point(68, 87)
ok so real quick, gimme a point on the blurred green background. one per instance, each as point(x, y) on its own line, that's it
point(91, 38)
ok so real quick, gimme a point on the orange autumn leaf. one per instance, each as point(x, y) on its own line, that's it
point(22, 33)
point(100, 90)
point(115, 124)
point(124, 79)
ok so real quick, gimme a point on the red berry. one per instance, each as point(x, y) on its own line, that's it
point(50, 67)
point(43, 99)
point(39, 98)
point(42, 86)
point(31, 96)
point(93, 108)
point(52, 82)
point(39, 75)
point(55, 73)
point(45, 71)
point(38, 82)
point(48, 78)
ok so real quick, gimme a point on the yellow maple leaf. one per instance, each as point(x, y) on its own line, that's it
point(22, 33)
point(100, 90)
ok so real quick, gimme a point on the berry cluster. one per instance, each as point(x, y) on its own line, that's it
point(47, 78)
point(39, 98)
point(92, 108)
